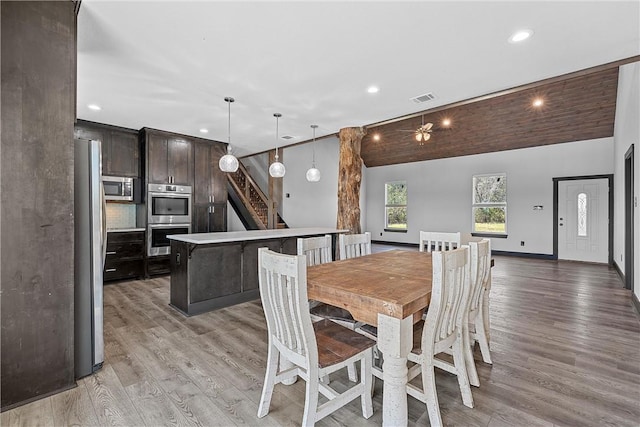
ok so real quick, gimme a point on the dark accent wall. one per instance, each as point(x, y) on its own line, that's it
point(36, 190)
point(574, 109)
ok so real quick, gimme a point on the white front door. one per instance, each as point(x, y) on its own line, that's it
point(583, 220)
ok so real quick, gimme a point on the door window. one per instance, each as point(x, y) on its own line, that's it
point(582, 214)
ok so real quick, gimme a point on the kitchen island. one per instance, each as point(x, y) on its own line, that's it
point(215, 270)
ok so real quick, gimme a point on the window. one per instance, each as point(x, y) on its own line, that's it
point(489, 209)
point(395, 206)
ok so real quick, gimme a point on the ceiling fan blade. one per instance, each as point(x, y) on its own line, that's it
point(428, 126)
point(426, 136)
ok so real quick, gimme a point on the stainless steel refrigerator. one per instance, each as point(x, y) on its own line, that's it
point(90, 245)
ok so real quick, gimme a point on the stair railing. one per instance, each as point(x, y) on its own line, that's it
point(263, 210)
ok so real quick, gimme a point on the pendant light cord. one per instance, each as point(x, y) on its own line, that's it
point(313, 147)
point(229, 100)
point(277, 116)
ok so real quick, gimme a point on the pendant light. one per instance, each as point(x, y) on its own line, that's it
point(313, 174)
point(276, 169)
point(228, 162)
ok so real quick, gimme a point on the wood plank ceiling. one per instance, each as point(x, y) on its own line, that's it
point(574, 109)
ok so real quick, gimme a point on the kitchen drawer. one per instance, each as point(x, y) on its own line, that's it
point(117, 270)
point(124, 250)
point(125, 255)
point(125, 236)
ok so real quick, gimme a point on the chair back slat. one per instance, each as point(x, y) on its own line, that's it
point(438, 241)
point(354, 245)
point(449, 293)
point(283, 291)
point(317, 250)
point(480, 253)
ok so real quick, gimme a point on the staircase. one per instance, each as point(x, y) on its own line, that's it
point(252, 206)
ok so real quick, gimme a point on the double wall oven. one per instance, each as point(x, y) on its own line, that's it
point(168, 212)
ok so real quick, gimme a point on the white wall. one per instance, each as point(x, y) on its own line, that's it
point(311, 204)
point(627, 132)
point(258, 168)
point(439, 191)
point(233, 220)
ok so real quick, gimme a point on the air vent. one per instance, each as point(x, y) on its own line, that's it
point(287, 137)
point(424, 98)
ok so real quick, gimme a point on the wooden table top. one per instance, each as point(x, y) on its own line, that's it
point(396, 283)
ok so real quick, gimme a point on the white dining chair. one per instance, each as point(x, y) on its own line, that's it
point(319, 250)
point(443, 331)
point(354, 245)
point(438, 241)
point(480, 270)
point(312, 350)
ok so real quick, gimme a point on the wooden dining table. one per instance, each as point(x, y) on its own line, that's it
point(389, 290)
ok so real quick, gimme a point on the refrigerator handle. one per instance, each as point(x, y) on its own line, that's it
point(104, 224)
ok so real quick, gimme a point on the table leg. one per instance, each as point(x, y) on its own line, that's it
point(395, 340)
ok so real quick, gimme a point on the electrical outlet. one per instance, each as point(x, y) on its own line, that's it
point(522, 243)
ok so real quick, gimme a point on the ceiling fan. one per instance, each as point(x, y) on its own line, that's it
point(423, 133)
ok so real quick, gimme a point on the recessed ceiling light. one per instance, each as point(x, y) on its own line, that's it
point(373, 89)
point(520, 35)
point(94, 107)
point(376, 137)
point(538, 102)
point(446, 122)
point(203, 130)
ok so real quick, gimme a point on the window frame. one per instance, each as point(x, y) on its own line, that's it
point(475, 205)
point(387, 205)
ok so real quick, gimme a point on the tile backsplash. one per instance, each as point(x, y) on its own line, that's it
point(121, 215)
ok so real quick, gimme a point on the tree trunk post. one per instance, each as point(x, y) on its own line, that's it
point(349, 179)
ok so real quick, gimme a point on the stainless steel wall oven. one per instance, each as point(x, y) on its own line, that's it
point(168, 212)
point(157, 242)
point(169, 204)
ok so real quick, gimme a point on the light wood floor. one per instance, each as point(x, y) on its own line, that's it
point(565, 344)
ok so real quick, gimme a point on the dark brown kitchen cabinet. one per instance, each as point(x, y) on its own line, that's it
point(208, 218)
point(122, 154)
point(210, 188)
point(169, 158)
point(125, 255)
point(120, 147)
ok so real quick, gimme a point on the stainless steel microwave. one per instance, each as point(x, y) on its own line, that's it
point(120, 189)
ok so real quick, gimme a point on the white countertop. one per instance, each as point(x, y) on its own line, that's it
point(241, 236)
point(122, 230)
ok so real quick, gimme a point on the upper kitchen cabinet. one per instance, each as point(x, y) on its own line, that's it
point(120, 147)
point(210, 188)
point(210, 181)
point(169, 157)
